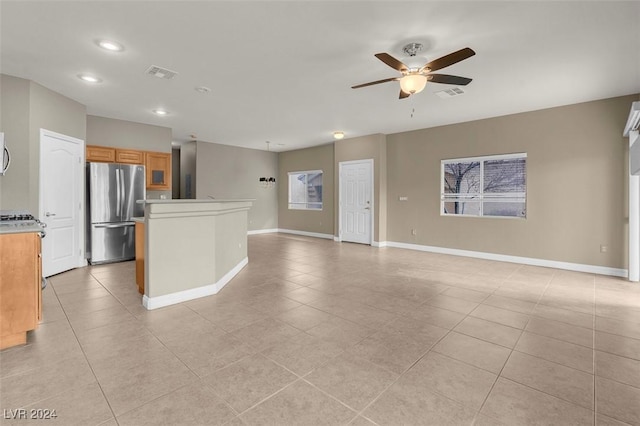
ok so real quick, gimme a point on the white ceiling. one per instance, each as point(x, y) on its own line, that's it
point(282, 71)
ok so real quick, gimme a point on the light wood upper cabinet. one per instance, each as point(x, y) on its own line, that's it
point(20, 288)
point(101, 154)
point(158, 170)
point(157, 164)
point(129, 156)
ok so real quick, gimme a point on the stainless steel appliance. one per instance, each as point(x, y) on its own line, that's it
point(112, 192)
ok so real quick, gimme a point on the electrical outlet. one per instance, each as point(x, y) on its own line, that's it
point(603, 249)
point(414, 232)
point(403, 198)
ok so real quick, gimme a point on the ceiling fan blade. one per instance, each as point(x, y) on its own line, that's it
point(392, 62)
point(403, 94)
point(375, 82)
point(449, 79)
point(449, 59)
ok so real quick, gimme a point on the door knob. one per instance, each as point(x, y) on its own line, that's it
point(367, 208)
point(47, 214)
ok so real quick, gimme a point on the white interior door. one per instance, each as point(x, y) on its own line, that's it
point(61, 201)
point(356, 201)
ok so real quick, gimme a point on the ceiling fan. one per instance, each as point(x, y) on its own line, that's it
point(414, 78)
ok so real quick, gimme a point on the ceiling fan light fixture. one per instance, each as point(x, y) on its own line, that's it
point(413, 83)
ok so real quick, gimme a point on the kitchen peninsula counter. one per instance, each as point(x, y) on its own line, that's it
point(192, 248)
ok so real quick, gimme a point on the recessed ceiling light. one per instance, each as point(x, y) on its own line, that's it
point(202, 89)
point(89, 78)
point(112, 46)
point(338, 135)
point(160, 111)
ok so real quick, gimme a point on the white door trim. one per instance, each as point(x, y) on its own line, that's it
point(372, 198)
point(81, 188)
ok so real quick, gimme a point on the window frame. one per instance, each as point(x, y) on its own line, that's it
point(480, 197)
point(303, 206)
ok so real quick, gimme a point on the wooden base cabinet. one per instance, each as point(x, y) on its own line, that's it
point(20, 287)
point(140, 256)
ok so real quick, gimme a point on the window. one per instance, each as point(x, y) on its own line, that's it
point(305, 190)
point(484, 186)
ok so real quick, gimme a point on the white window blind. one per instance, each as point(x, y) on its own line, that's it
point(305, 190)
point(484, 186)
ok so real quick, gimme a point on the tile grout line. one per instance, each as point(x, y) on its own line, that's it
point(85, 354)
point(361, 413)
point(499, 375)
point(163, 345)
point(479, 411)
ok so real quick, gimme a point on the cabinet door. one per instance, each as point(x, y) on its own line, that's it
point(140, 256)
point(101, 153)
point(19, 287)
point(158, 170)
point(39, 280)
point(129, 156)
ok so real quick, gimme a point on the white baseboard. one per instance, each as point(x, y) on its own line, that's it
point(193, 293)
point(579, 267)
point(262, 231)
point(337, 239)
point(306, 234)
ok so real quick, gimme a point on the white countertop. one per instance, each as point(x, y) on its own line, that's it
point(18, 229)
point(196, 201)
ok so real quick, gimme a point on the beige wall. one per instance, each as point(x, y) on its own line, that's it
point(44, 109)
point(14, 122)
point(576, 189)
point(363, 148)
point(224, 171)
point(127, 134)
point(104, 131)
point(316, 158)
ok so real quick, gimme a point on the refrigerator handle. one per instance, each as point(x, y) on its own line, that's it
point(114, 225)
point(122, 198)
point(118, 201)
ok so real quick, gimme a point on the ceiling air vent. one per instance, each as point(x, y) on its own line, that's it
point(160, 72)
point(450, 93)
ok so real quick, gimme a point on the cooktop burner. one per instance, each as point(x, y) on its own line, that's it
point(7, 215)
point(17, 217)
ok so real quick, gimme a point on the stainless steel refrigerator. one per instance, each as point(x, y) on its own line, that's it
point(112, 192)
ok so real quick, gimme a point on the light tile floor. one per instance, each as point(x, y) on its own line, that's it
point(317, 332)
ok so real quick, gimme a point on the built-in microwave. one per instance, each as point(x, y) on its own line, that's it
point(5, 159)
